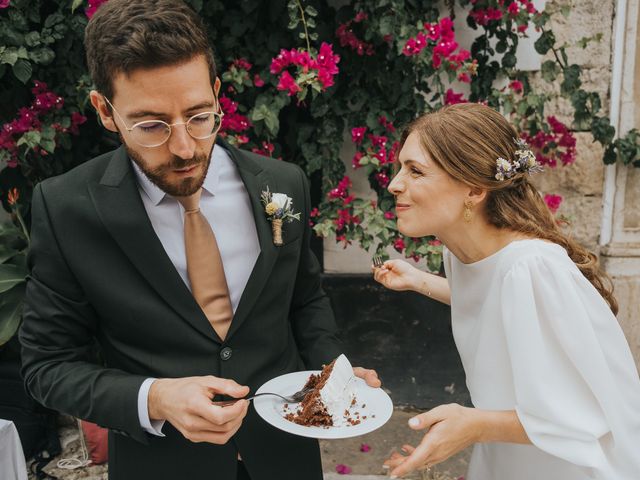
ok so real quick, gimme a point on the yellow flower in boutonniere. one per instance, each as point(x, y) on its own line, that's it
point(279, 208)
point(271, 208)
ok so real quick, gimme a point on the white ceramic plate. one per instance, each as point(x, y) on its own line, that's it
point(378, 408)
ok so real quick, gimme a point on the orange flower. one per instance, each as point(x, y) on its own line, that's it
point(13, 196)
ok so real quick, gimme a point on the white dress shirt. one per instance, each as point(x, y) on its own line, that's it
point(226, 205)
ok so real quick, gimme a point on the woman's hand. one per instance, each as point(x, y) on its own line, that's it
point(451, 428)
point(397, 275)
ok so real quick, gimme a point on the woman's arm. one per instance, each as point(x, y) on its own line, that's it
point(452, 428)
point(399, 275)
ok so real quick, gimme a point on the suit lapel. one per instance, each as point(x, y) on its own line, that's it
point(256, 180)
point(118, 203)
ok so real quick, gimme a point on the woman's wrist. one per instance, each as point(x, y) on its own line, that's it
point(423, 285)
point(498, 426)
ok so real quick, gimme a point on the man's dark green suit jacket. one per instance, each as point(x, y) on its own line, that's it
point(98, 272)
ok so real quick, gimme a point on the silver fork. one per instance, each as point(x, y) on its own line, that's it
point(295, 398)
point(377, 261)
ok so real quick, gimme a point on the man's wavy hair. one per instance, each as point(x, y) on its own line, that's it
point(127, 35)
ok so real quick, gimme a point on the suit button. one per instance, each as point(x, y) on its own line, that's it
point(225, 353)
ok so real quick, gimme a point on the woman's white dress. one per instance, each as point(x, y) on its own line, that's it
point(536, 337)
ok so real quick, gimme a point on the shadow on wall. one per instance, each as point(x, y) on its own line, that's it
point(405, 336)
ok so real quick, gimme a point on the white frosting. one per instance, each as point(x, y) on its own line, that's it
point(339, 391)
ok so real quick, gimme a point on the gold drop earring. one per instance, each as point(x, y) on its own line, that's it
point(467, 211)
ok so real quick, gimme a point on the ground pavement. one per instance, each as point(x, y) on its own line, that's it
point(363, 465)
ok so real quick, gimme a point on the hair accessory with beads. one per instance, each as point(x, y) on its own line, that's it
point(525, 162)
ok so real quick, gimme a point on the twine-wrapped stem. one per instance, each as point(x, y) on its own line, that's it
point(276, 226)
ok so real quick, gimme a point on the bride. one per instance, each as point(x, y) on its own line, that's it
point(555, 390)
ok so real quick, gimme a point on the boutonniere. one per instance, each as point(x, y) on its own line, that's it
point(279, 209)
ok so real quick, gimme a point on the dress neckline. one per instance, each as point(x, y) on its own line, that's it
point(495, 255)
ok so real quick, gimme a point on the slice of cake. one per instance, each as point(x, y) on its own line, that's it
point(332, 394)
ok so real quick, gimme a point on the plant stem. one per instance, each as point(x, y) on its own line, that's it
point(25, 232)
point(555, 52)
point(304, 24)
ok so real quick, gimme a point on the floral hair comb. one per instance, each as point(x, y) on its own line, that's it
point(525, 162)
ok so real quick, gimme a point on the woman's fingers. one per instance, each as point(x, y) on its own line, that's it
point(418, 459)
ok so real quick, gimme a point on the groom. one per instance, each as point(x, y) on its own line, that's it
point(162, 253)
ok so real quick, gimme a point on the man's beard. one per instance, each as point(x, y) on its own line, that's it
point(159, 176)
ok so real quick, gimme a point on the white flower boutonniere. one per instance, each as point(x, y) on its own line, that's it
point(279, 209)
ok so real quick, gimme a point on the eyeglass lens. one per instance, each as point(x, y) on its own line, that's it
point(155, 132)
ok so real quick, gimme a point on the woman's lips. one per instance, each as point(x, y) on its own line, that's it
point(400, 207)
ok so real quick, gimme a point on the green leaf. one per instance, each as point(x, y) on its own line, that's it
point(10, 313)
point(22, 70)
point(602, 130)
point(31, 139)
point(571, 80)
point(9, 56)
point(54, 19)
point(311, 11)
point(610, 155)
point(42, 56)
point(550, 70)
point(293, 23)
point(272, 123)
point(10, 276)
point(48, 145)
point(509, 60)
point(545, 42)
point(32, 39)
point(76, 4)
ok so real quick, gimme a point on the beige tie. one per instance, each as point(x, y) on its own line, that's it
point(204, 266)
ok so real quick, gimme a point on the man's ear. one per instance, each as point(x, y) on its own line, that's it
point(216, 86)
point(98, 102)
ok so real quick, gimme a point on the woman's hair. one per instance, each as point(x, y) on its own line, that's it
point(465, 140)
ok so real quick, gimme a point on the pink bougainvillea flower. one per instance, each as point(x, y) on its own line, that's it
point(287, 83)
point(516, 86)
point(4, 3)
point(399, 245)
point(364, 447)
point(388, 216)
point(266, 149)
point(349, 39)
point(257, 81)
point(450, 97)
point(378, 140)
point(553, 202)
point(77, 119)
point(357, 134)
point(242, 64)
point(343, 469)
point(355, 161)
point(92, 7)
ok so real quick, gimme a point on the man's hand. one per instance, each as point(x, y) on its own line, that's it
point(369, 376)
point(186, 404)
